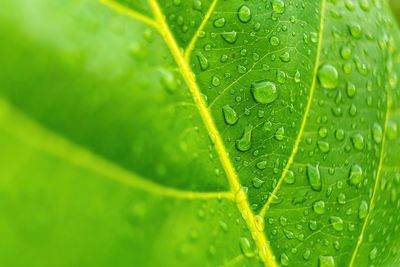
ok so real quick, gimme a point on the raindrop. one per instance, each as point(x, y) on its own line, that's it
point(264, 92)
point(355, 174)
point(244, 143)
point(314, 177)
point(244, 14)
point(230, 115)
point(229, 37)
point(319, 207)
point(328, 76)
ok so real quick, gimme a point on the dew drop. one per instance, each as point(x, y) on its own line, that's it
point(278, 6)
point(244, 14)
point(326, 261)
point(377, 132)
point(289, 177)
point(355, 30)
point(363, 209)
point(202, 61)
point(319, 207)
point(264, 92)
point(328, 76)
point(257, 183)
point(244, 143)
point(219, 23)
point(358, 141)
point(314, 177)
point(284, 259)
point(245, 246)
point(279, 134)
point(274, 41)
point(229, 37)
point(355, 176)
point(337, 223)
point(230, 115)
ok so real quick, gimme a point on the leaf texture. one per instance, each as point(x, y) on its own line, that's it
point(199, 133)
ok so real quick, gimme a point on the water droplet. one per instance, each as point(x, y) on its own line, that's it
point(261, 165)
point(345, 52)
point(314, 177)
point(351, 89)
point(363, 209)
point(283, 220)
point(244, 143)
point(288, 234)
point(306, 254)
point(285, 57)
point(326, 261)
point(244, 14)
point(339, 134)
point(219, 23)
point(279, 134)
point(313, 225)
point(215, 81)
point(168, 81)
point(377, 132)
point(289, 177)
point(319, 207)
point(323, 146)
point(245, 246)
point(264, 92)
point(229, 37)
point(337, 223)
point(259, 222)
point(257, 183)
point(355, 174)
point(355, 30)
point(328, 76)
point(230, 115)
point(284, 259)
point(274, 41)
point(358, 141)
point(372, 253)
point(278, 6)
point(341, 199)
point(268, 126)
point(391, 130)
point(202, 61)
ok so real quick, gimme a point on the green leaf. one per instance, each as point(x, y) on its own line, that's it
point(199, 133)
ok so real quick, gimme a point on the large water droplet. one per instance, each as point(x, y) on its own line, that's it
point(244, 143)
point(326, 261)
point(358, 141)
point(202, 61)
point(319, 207)
point(328, 76)
point(245, 246)
point(355, 174)
point(377, 132)
point(230, 115)
point(278, 6)
point(229, 37)
point(314, 177)
point(363, 209)
point(279, 134)
point(337, 223)
point(264, 92)
point(244, 14)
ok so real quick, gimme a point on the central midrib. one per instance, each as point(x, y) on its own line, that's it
point(258, 235)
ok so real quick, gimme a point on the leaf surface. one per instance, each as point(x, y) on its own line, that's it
point(199, 133)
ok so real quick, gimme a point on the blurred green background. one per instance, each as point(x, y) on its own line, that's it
point(396, 8)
